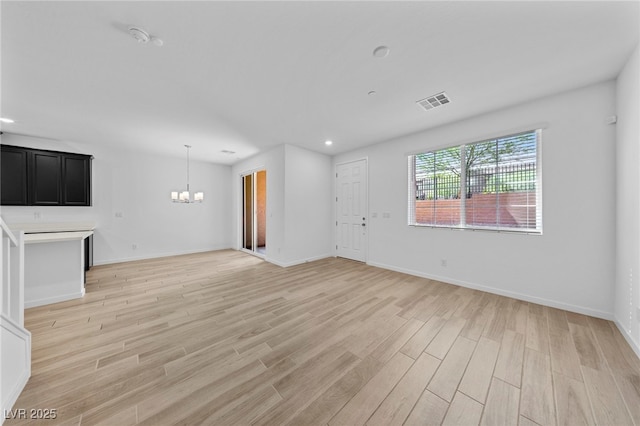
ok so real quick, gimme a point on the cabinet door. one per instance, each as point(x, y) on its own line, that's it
point(76, 185)
point(14, 176)
point(46, 179)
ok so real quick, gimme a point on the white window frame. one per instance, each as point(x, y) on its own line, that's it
point(411, 216)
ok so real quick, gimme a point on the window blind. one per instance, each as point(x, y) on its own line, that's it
point(492, 184)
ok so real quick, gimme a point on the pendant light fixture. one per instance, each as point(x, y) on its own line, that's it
point(185, 196)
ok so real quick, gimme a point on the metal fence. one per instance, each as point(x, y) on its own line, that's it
point(480, 180)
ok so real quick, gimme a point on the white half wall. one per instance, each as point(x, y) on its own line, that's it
point(15, 340)
point(135, 218)
point(627, 289)
point(15, 365)
point(570, 266)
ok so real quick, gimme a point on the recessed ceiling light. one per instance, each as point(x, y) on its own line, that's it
point(328, 143)
point(381, 51)
point(6, 120)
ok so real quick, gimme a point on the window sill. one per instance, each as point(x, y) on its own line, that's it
point(481, 229)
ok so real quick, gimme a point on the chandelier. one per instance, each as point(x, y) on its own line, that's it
point(185, 196)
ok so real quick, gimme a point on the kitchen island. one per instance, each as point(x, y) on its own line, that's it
point(54, 262)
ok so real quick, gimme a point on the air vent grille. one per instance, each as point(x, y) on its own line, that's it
point(434, 101)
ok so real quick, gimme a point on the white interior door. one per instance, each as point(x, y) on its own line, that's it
point(352, 210)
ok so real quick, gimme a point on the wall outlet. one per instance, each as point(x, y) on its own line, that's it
point(374, 215)
point(443, 263)
point(119, 214)
point(134, 247)
point(386, 215)
point(37, 215)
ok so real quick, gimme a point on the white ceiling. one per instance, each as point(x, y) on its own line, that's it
point(246, 76)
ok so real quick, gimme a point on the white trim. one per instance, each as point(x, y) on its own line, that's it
point(539, 182)
point(627, 337)
point(501, 292)
point(7, 231)
point(252, 171)
point(54, 299)
point(16, 388)
point(478, 229)
point(55, 237)
point(298, 262)
point(159, 255)
point(254, 214)
point(42, 227)
point(251, 252)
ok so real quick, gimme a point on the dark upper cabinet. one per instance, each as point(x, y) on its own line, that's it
point(45, 178)
point(76, 188)
point(14, 176)
point(33, 177)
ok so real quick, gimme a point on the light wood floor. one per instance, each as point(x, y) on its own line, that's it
point(224, 338)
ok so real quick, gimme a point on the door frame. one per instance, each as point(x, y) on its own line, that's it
point(242, 175)
point(335, 206)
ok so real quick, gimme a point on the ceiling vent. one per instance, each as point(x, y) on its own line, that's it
point(434, 101)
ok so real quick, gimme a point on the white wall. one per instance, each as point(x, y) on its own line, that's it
point(138, 185)
point(298, 203)
point(570, 266)
point(308, 206)
point(627, 293)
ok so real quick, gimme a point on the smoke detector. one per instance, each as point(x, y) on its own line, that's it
point(142, 36)
point(434, 101)
point(139, 34)
point(381, 51)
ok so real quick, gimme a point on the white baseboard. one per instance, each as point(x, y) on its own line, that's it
point(298, 262)
point(178, 253)
point(23, 365)
point(158, 255)
point(54, 299)
point(501, 292)
point(634, 345)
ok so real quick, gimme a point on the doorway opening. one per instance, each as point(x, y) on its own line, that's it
point(254, 212)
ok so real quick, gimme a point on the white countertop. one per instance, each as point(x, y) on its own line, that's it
point(53, 237)
point(55, 227)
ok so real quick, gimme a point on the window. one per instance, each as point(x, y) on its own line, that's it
point(492, 184)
